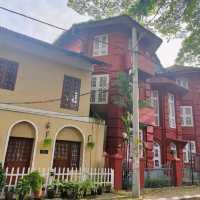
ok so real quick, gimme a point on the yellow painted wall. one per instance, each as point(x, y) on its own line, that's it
point(23, 129)
point(41, 79)
point(8, 118)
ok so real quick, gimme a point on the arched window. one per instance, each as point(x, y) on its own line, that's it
point(157, 155)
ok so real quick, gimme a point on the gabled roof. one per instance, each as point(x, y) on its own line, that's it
point(119, 20)
point(31, 45)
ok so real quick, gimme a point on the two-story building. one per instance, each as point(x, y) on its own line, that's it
point(45, 105)
point(110, 41)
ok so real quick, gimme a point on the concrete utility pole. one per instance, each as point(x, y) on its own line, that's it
point(135, 147)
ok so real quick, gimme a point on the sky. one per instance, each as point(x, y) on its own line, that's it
point(56, 12)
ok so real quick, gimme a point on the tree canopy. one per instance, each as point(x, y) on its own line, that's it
point(171, 18)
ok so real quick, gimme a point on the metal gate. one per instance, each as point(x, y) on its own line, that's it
point(191, 170)
point(158, 177)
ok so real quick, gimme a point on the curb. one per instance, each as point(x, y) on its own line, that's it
point(192, 197)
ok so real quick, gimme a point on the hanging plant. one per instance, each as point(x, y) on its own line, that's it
point(47, 142)
point(90, 145)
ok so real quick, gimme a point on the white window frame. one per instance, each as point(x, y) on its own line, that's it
point(97, 88)
point(183, 82)
point(100, 45)
point(184, 116)
point(172, 111)
point(187, 151)
point(155, 105)
point(156, 147)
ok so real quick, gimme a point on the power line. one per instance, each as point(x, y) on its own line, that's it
point(32, 18)
point(60, 28)
point(63, 29)
point(45, 101)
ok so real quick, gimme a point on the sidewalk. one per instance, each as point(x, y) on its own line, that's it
point(168, 193)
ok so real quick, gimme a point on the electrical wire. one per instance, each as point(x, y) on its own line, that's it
point(45, 101)
point(63, 29)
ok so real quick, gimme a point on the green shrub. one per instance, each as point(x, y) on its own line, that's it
point(23, 188)
point(36, 181)
point(156, 183)
point(2, 177)
point(76, 190)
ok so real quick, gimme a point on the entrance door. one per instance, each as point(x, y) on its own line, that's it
point(19, 153)
point(67, 154)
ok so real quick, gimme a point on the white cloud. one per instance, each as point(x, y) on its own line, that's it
point(56, 12)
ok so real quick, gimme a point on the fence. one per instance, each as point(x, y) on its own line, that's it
point(191, 170)
point(158, 177)
point(98, 175)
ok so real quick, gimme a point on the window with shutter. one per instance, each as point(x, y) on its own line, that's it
point(99, 89)
point(100, 45)
point(8, 74)
point(171, 108)
point(70, 93)
point(186, 116)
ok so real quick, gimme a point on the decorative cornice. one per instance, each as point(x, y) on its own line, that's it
point(40, 112)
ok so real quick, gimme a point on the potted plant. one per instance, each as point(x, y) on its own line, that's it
point(99, 189)
point(51, 190)
point(36, 182)
point(9, 193)
point(66, 190)
point(90, 145)
point(86, 187)
point(107, 187)
point(47, 142)
point(23, 188)
point(93, 190)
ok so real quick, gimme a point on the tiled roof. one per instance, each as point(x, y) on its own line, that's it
point(180, 68)
point(123, 19)
point(48, 46)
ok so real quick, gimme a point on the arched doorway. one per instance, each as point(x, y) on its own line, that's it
point(19, 153)
point(157, 155)
point(68, 149)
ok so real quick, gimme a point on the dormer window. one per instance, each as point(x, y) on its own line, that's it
point(183, 82)
point(100, 45)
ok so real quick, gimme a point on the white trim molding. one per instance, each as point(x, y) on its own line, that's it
point(40, 112)
point(35, 140)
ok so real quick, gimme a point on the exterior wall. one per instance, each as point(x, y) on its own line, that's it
point(39, 79)
point(192, 99)
point(8, 118)
point(163, 134)
point(119, 58)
